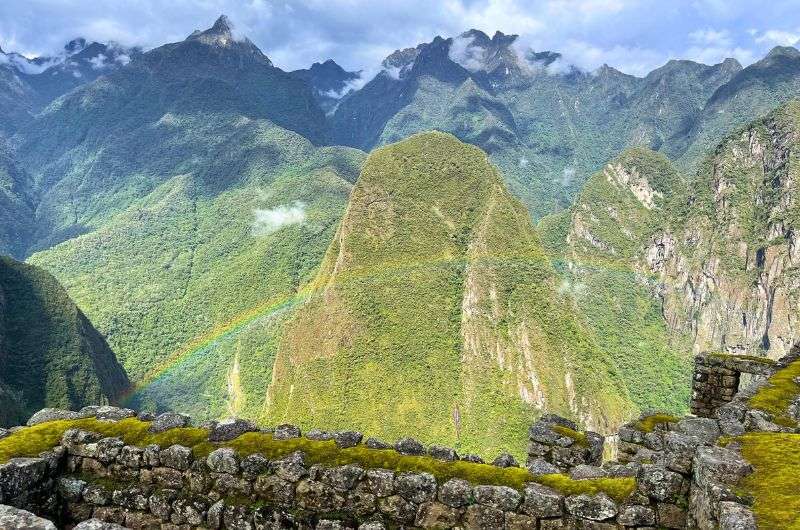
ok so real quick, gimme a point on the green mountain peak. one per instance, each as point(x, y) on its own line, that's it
point(436, 311)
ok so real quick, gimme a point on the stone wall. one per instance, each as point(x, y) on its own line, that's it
point(716, 380)
point(684, 476)
point(89, 476)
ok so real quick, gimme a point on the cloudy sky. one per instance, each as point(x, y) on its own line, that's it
point(634, 36)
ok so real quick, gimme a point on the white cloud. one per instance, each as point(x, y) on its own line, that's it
point(587, 57)
point(567, 176)
point(711, 36)
point(777, 37)
point(268, 221)
point(712, 46)
point(350, 85)
point(26, 66)
point(99, 61)
point(630, 35)
point(465, 53)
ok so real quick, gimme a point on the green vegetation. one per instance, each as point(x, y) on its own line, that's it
point(596, 246)
point(182, 264)
point(437, 309)
point(16, 204)
point(773, 484)
point(50, 355)
point(648, 423)
point(173, 198)
point(738, 221)
point(30, 441)
point(762, 360)
point(749, 94)
point(33, 440)
point(579, 437)
point(777, 395)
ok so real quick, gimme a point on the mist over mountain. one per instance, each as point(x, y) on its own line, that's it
point(29, 85)
point(330, 83)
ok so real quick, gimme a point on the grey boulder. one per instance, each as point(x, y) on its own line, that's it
point(15, 519)
point(169, 420)
point(229, 429)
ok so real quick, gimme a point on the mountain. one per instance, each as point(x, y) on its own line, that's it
point(98, 149)
point(29, 85)
point(751, 93)
point(16, 204)
point(546, 124)
point(330, 83)
point(436, 311)
point(16, 98)
point(597, 245)
point(728, 262)
point(713, 255)
point(81, 62)
point(181, 203)
point(50, 355)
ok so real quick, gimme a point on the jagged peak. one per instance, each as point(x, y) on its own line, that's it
point(222, 25)
point(75, 45)
point(220, 34)
point(501, 39)
point(731, 63)
point(478, 37)
point(607, 71)
point(328, 66)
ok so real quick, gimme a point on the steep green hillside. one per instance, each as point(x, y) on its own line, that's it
point(50, 355)
point(16, 100)
point(105, 145)
point(29, 85)
point(750, 94)
point(599, 245)
point(436, 312)
point(705, 264)
point(203, 249)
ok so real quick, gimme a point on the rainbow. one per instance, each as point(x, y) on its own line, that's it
point(213, 336)
point(277, 304)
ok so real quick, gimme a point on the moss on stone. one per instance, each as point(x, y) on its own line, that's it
point(776, 396)
point(31, 441)
point(723, 356)
point(579, 437)
point(648, 423)
point(773, 484)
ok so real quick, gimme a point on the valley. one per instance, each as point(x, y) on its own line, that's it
point(298, 246)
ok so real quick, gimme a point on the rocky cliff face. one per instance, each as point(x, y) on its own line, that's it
point(717, 254)
point(729, 269)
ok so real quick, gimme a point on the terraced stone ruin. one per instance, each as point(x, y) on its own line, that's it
point(107, 467)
